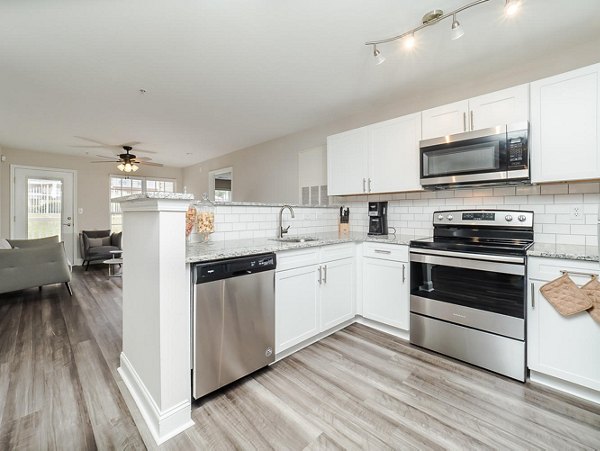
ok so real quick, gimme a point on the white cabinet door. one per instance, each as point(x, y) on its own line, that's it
point(296, 306)
point(347, 162)
point(394, 155)
point(445, 120)
point(337, 293)
point(563, 347)
point(565, 126)
point(385, 292)
point(507, 106)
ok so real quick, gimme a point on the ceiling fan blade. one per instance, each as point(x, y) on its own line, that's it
point(143, 158)
point(146, 163)
point(106, 161)
point(93, 141)
point(130, 144)
point(142, 150)
point(90, 146)
point(108, 158)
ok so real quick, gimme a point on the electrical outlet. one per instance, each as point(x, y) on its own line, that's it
point(577, 212)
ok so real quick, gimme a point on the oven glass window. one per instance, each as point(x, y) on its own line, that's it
point(474, 158)
point(482, 290)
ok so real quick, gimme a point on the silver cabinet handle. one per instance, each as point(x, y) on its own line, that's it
point(320, 276)
point(532, 295)
point(403, 273)
point(472, 121)
point(68, 224)
point(325, 274)
point(369, 185)
point(364, 185)
point(465, 121)
point(381, 251)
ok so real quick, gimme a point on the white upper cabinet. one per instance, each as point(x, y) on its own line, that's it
point(347, 162)
point(394, 155)
point(445, 120)
point(379, 158)
point(565, 126)
point(501, 107)
point(507, 106)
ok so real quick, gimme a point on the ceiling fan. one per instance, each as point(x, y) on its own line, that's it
point(128, 162)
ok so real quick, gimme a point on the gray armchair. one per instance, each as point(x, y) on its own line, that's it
point(96, 245)
point(34, 263)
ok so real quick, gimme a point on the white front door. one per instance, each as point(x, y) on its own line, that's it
point(43, 205)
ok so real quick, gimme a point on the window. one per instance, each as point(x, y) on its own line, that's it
point(125, 186)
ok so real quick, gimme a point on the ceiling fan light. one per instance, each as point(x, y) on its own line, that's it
point(128, 167)
point(457, 29)
point(121, 167)
point(134, 167)
point(511, 7)
point(379, 58)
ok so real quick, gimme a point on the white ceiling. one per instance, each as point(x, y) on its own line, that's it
point(224, 75)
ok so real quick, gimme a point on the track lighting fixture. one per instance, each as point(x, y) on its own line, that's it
point(511, 7)
point(379, 58)
point(457, 29)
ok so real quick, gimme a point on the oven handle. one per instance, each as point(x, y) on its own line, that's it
point(490, 258)
point(478, 265)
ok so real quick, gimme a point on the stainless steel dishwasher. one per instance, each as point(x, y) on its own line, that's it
point(233, 320)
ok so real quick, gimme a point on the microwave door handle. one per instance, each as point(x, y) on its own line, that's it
point(465, 121)
point(472, 121)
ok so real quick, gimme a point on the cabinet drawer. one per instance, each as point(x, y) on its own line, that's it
point(548, 269)
point(337, 252)
point(395, 252)
point(297, 258)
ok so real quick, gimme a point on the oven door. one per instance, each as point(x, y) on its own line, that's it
point(472, 157)
point(481, 294)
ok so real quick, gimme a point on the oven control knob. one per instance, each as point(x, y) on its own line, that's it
point(508, 218)
point(450, 217)
point(440, 217)
point(522, 218)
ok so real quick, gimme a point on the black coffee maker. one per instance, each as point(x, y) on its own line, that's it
point(378, 224)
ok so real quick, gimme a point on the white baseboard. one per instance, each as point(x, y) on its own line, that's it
point(165, 424)
point(564, 386)
point(400, 333)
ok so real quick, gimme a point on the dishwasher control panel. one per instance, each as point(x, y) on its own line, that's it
point(234, 267)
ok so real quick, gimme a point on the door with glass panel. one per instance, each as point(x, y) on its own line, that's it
point(43, 205)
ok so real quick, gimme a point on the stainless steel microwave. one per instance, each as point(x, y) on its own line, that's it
point(487, 156)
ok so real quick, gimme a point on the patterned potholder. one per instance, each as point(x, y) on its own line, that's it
point(592, 289)
point(565, 296)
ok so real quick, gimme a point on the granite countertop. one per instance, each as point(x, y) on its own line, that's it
point(216, 250)
point(564, 251)
point(169, 196)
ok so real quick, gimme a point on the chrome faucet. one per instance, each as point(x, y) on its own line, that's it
point(283, 231)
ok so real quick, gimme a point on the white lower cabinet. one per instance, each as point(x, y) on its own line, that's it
point(315, 297)
point(566, 348)
point(386, 288)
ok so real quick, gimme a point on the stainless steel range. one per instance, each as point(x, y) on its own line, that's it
point(468, 288)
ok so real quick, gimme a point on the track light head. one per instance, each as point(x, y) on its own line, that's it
point(457, 29)
point(511, 7)
point(379, 58)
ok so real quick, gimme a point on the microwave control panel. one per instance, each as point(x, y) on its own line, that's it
point(518, 156)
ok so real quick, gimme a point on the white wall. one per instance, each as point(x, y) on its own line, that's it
point(93, 193)
point(268, 172)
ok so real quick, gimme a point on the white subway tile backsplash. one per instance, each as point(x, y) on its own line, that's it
point(557, 228)
point(584, 188)
point(527, 190)
point(561, 188)
point(505, 191)
point(570, 239)
point(584, 229)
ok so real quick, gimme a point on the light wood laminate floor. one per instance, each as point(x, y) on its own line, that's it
point(357, 389)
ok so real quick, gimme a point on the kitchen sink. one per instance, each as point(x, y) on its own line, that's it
point(296, 239)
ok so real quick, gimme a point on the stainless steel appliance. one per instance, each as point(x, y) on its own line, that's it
point(468, 288)
point(492, 155)
point(233, 320)
point(378, 224)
